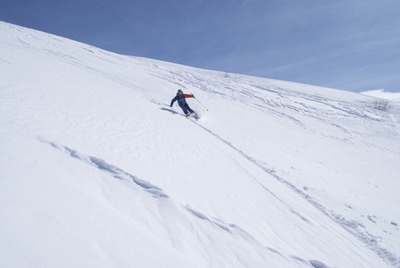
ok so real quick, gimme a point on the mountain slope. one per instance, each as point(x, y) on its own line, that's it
point(97, 171)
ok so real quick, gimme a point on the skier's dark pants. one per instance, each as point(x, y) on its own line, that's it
point(185, 107)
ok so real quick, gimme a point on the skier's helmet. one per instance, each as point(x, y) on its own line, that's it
point(180, 92)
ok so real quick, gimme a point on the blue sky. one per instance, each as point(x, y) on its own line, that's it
point(346, 44)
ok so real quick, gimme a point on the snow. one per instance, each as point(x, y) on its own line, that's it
point(381, 93)
point(97, 171)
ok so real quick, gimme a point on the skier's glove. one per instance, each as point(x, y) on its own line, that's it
point(193, 96)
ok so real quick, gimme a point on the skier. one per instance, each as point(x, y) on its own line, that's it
point(181, 98)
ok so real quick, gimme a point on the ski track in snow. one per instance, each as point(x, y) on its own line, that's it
point(351, 226)
point(268, 106)
point(395, 123)
point(156, 192)
point(336, 107)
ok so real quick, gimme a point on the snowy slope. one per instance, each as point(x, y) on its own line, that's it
point(96, 171)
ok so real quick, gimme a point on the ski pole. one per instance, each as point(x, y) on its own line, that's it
point(202, 104)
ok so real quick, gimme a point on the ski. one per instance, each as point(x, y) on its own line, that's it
point(193, 116)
